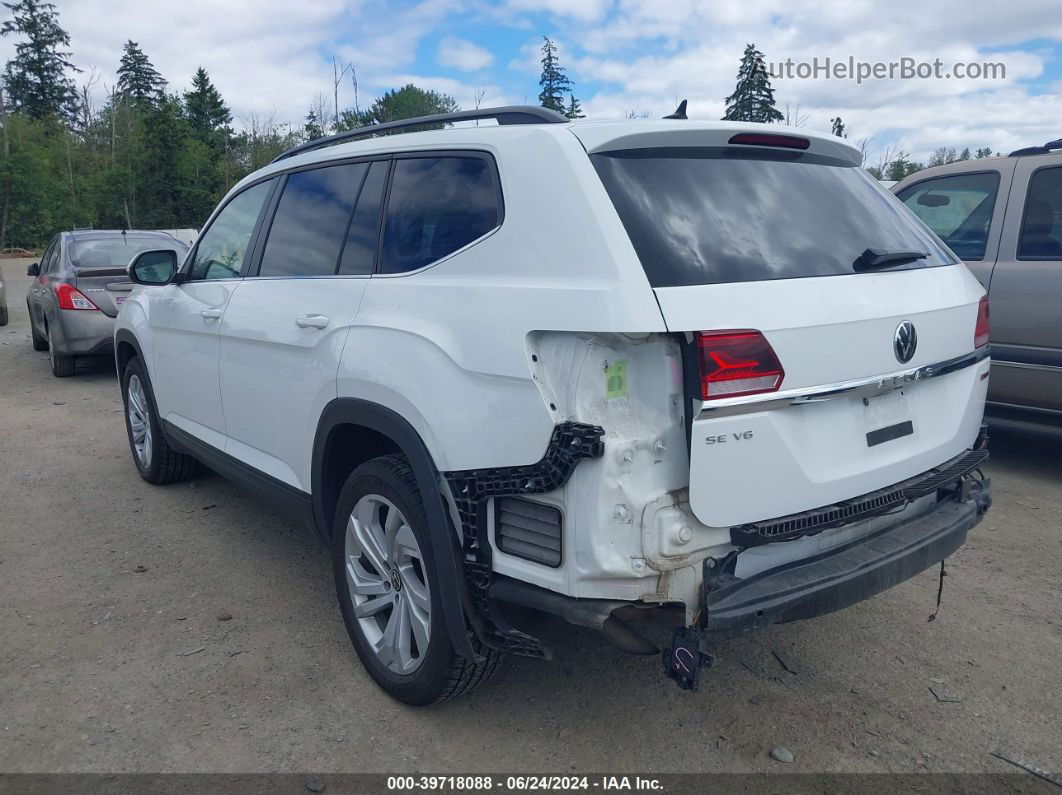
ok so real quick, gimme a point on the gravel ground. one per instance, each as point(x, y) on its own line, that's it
point(187, 628)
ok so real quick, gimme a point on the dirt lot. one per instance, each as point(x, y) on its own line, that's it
point(113, 657)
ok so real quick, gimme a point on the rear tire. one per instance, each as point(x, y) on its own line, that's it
point(155, 460)
point(63, 366)
point(388, 589)
point(3, 316)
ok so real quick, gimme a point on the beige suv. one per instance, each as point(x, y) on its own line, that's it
point(1003, 217)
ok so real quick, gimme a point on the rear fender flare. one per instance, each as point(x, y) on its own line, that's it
point(352, 411)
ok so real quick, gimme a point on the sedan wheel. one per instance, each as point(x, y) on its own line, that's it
point(139, 420)
point(386, 580)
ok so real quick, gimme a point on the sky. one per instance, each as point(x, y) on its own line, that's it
point(274, 57)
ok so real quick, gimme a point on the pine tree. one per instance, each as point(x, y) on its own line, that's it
point(753, 97)
point(36, 78)
point(574, 109)
point(138, 80)
point(312, 128)
point(837, 127)
point(555, 84)
point(206, 111)
point(982, 153)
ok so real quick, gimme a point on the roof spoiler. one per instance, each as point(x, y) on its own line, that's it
point(1050, 146)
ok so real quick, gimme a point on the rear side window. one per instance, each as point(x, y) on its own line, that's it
point(729, 214)
point(436, 206)
point(1041, 227)
point(360, 250)
point(310, 224)
point(958, 208)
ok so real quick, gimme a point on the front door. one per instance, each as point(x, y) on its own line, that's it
point(186, 318)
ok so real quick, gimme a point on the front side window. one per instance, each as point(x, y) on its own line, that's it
point(310, 225)
point(222, 248)
point(957, 208)
point(437, 205)
point(1041, 227)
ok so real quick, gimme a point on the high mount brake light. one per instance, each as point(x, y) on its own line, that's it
point(71, 298)
point(767, 139)
point(736, 363)
point(983, 326)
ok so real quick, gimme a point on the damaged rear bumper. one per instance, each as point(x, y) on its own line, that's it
point(842, 576)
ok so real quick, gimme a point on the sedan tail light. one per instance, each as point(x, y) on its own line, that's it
point(982, 328)
point(72, 298)
point(735, 363)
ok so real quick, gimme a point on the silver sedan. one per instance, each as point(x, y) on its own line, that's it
point(72, 303)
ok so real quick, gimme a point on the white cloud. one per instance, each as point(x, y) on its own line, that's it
point(463, 54)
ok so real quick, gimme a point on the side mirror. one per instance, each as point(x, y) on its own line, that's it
point(153, 267)
point(33, 270)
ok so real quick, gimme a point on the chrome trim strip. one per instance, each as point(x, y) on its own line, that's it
point(747, 404)
point(1026, 366)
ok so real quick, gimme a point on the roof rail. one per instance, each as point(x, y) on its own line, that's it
point(510, 114)
point(1050, 146)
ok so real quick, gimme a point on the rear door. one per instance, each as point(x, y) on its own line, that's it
point(808, 366)
point(1026, 290)
point(286, 324)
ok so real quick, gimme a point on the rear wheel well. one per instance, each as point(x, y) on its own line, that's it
point(348, 447)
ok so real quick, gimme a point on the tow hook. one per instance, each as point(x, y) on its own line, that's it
point(685, 659)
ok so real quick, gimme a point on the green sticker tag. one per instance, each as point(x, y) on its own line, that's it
point(616, 379)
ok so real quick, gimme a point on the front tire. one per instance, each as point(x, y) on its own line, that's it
point(3, 316)
point(155, 460)
point(388, 590)
point(40, 343)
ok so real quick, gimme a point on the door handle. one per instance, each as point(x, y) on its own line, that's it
point(211, 314)
point(312, 321)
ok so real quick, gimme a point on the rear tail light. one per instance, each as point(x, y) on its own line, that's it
point(735, 363)
point(982, 327)
point(71, 298)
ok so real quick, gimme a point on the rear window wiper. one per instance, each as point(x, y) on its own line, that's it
point(874, 258)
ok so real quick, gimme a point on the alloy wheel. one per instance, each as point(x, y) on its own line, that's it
point(387, 583)
point(139, 420)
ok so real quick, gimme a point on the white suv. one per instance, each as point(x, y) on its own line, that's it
point(704, 372)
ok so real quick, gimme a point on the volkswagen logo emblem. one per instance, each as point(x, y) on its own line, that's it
point(904, 342)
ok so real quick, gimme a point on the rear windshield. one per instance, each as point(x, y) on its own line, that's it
point(115, 252)
point(711, 215)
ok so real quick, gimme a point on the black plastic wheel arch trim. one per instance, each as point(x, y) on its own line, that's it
point(570, 443)
point(352, 411)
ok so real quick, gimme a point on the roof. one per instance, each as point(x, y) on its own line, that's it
point(594, 136)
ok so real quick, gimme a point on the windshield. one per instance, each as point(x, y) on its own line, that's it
point(116, 252)
point(727, 214)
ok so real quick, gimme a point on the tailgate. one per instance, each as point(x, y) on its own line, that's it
point(848, 417)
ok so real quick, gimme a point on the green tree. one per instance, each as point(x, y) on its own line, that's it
point(405, 103)
point(206, 111)
point(312, 128)
point(982, 153)
point(964, 154)
point(753, 97)
point(138, 80)
point(554, 82)
point(36, 78)
point(574, 109)
point(837, 127)
point(900, 167)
